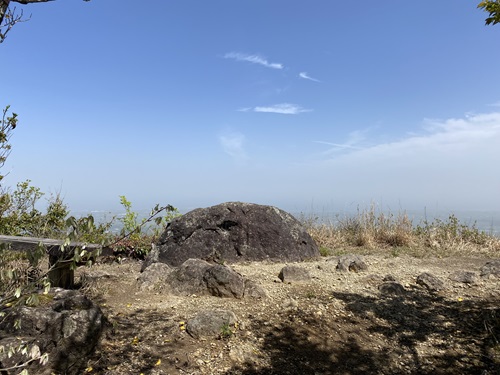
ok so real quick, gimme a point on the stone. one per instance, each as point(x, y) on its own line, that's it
point(234, 232)
point(222, 281)
point(289, 304)
point(212, 323)
point(254, 290)
point(353, 263)
point(294, 274)
point(153, 275)
point(491, 269)
point(389, 288)
point(465, 277)
point(66, 325)
point(429, 281)
point(151, 258)
point(196, 276)
point(188, 278)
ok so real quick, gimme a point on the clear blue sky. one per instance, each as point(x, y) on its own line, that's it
point(298, 104)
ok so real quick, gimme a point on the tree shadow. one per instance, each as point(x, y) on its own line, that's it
point(414, 333)
point(138, 340)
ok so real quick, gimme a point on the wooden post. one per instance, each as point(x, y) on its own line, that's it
point(61, 273)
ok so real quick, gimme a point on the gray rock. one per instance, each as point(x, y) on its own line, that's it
point(491, 269)
point(253, 290)
point(294, 274)
point(188, 278)
point(391, 288)
point(429, 281)
point(465, 277)
point(196, 276)
point(67, 327)
point(151, 258)
point(153, 275)
point(211, 323)
point(353, 263)
point(222, 281)
point(289, 304)
point(233, 232)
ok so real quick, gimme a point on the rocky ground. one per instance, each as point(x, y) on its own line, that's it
point(376, 321)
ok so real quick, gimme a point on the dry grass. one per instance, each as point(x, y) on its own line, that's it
point(371, 231)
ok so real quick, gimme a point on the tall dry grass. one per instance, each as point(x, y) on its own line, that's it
point(371, 231)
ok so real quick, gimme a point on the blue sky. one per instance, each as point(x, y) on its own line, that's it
point(298, 104)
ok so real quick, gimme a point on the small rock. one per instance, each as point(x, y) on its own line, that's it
point(211, 323)
point(491, 269)
point(152, 275)
point(289, 304)
point(253, 290)
point(391, 288)
point(353, 263)
point(222, 281)
point(293, 274)
point(464, 277)
point(431, 282)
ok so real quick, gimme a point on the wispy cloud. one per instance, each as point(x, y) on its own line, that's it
point(254, 59)
point(496, 104)
point(355, 141)
point(340, 145)
point(304, 75)
point(451, 162)
point(283, 108)
point(439, 136)
point(232, 144)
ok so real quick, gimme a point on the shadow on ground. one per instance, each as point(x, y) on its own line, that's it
point(134, 343)
point(414, 333)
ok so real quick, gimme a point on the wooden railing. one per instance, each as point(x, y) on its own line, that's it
point(61, 273)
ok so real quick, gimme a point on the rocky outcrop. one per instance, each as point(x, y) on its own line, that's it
point(66, 325)
point(234, 232)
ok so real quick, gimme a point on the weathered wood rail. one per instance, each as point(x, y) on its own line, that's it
point(61, 274)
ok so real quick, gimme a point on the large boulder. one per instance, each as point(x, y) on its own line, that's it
point(234, 232)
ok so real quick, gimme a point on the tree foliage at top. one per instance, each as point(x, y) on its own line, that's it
point(9, 17)
point(493, 8)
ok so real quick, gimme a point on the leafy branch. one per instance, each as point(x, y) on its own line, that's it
point(493, 8)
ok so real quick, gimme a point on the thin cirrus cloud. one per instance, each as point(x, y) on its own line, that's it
point(283, 109)
point(304, 75)
point(473, 138)
point(450, 161)
point(233, 145)
point(355, 141)
point(254, 59)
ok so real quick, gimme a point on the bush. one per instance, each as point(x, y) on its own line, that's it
point(370, 231)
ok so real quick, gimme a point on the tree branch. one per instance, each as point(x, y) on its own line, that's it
point(30, 1)
point(10, 17)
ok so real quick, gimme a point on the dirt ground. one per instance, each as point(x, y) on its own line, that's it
point(337, 323)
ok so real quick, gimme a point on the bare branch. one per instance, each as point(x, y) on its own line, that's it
point(11, 19)
point(8, 17)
